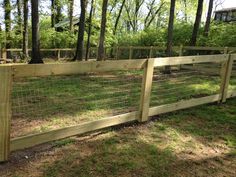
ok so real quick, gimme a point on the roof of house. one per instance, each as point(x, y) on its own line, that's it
point(226, 9)
point(66, 22)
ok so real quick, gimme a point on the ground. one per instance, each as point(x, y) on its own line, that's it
point(200, 141)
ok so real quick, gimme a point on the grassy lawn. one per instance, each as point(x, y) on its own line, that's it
point(196, 142)
point(46, 103)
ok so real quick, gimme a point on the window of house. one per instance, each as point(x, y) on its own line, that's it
point(224, 16)
point(218, 17)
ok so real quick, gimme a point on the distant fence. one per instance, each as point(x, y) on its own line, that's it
point(120, 52)
point(80, 97)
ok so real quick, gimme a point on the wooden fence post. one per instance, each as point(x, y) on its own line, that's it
point(130, 52)
point(5, 111)
point(146, 90)
point(225, 77)
point(226, 50)
point(58, 54)
point(181, 50)
point(117, 52)
point(4, 55)
point(0, 50)
point(150, 52)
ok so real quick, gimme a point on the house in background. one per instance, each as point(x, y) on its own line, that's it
point(226, 15)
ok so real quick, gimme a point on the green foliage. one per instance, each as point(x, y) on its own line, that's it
point(221, 34)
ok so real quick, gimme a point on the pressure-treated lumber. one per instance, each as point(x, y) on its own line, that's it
point(231, 93)
point(32, 140)
point(25, 70)
point(146, 90)
point(170, 61)
point(5, 111)
point(227, 71)
point(182, 105)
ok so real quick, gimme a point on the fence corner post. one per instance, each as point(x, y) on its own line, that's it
point(5, 111)
point(146, 90)
point(225, 77)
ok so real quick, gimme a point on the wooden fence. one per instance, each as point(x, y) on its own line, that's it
point(10, 72)
point(124, 52)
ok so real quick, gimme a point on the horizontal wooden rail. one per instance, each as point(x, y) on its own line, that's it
point(231, 93)
point(190, 60)
point(26, 70)
point(34, 70)
point(36, 139)
point(183, 104)
point(163, 47)
point(208, 48)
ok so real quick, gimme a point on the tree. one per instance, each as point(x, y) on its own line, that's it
point(133, 14)
point(7, 16)
point(19, 16)
point(170, 29)
point(25, 29)
point(52, 13)
point(71, 10)
point(58, 15)
point(36, 58)
point(89, 29)
point(197, 23)
point(208, 19)
point(170, 33)
point(80, 41)
point(101, 51)
point(152, 13)
point(118, 17)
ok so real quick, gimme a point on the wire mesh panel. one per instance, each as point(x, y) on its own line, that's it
point(232, 83)
point(183, 84)
point(44, 103)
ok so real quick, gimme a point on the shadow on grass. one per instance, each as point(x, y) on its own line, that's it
point(177, 144)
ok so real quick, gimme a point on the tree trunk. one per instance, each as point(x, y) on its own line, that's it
point(170, 33)
point(208, 20)
point(25, 29)
point(71, 10)
point(197, 23)
point(89, 30)
point(118, 17)
point(185, 11)
point(52, 13)
point(80, 41)
point(58, 17)
point(101, 51)
point(19, 16)
point(36, 58)
point(7, 16)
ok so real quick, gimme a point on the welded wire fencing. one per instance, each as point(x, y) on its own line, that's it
point(183, 84)
point(58, 101)
point(47, 102)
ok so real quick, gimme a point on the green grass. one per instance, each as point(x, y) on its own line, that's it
point(42, 104)
point(200, 141)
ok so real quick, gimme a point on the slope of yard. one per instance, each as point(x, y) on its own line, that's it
point(196, 142)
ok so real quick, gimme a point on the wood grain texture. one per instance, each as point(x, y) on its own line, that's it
point(32, 140)
point(146, 90)
point(5, 111)
point(182, 105)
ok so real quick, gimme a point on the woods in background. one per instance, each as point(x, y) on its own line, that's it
point(107, 23)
